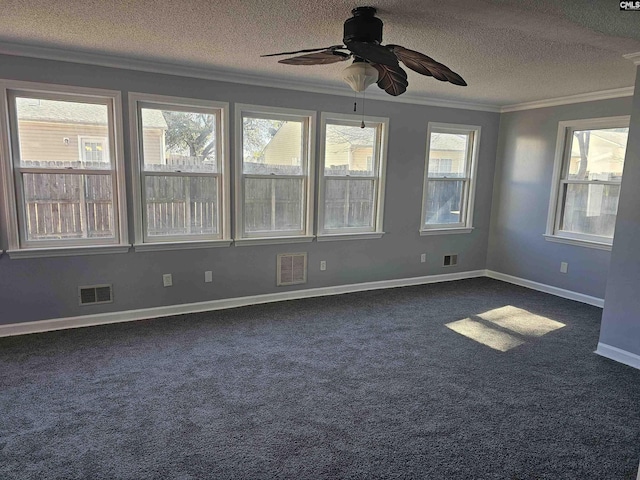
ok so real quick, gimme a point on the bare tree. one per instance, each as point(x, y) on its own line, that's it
point(192, 132)
point(583, 138)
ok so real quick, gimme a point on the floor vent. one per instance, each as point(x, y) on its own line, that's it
point(292, 268)
point(450, 260)
point(90, 295)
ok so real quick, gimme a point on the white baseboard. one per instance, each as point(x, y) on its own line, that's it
point(156, 312)
point(619, 355)
point(541, 287)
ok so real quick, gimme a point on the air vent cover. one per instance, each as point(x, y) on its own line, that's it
point(450, 260)
point(93, 294)
point(292, 268)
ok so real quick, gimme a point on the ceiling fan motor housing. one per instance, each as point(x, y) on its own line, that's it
point(363, 26)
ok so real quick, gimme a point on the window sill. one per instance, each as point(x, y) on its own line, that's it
point(577, 243)
point(67, 251)
point(334, 237)
point(164, 246)
point(446, 231)
point(246, 242)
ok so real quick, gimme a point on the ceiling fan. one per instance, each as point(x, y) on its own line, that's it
point(372, 61)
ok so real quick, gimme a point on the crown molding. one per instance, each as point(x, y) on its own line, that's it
point(114, 61)
point(579, 98)
point(182, 70)
point(633, 57)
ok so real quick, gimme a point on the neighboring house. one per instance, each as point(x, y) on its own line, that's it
point(284, 147)
point(153, 136)
point(68, 132)
point(343, 151)
point(447, 153)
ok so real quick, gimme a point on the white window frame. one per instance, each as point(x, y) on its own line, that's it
point(82, 139)
point(560, 168)
point(379, 159)
point(18, 246)
point(469, 179)
point(176, 242)
point(308, 119)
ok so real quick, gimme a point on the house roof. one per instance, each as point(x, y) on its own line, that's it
point(448, 142)
point(618, 139)
point(77, 113)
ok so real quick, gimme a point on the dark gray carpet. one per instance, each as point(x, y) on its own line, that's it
point(366, 385)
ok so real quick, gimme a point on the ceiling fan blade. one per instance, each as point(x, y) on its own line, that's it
point(392, 80)
point(373, 53)
point(418, 62)
point(333, 47)
point(318, 58)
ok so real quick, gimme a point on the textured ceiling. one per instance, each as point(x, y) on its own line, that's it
point(508, 51)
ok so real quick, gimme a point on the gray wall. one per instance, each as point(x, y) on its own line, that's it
point(524, 167)
point(621, 317)
point(35, 289)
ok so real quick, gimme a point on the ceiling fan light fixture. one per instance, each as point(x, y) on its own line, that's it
point(359, 75)
point(372, 61)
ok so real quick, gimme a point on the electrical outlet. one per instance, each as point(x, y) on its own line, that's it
point(323, 265)
point(564, 267)
point(208, 276)
point(423, 258)
point(167, 280)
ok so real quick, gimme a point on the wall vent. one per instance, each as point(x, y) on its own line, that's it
point(93, 294)
point(292, 268)
point(450, 260)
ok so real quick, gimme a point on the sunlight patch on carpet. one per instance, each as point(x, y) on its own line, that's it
point(490, 328)
point(484, 334)
point(521, 321)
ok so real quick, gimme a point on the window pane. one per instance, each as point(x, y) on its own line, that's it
point(272, 146)
point(598, 154)
point(181, 205)
point(61, 134)
point(178, 141)
point(444, 200)
point(590, 209)
point(68, 206)
point(273, 204)
point(448, 155)
point(349, 203)
point(349, 150)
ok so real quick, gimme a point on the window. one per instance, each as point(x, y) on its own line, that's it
point(65, 169)
point(181, 169)
point(586, 184)
point(274, 182)
point(94, 149)
point(449, 183)
point(352, 177)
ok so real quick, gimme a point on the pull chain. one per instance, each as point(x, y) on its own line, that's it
point(355, 96)
point(364, 97)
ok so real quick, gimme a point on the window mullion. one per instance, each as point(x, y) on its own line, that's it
point(178, 174)
point(347, 200)
point(589, 182)
point(59, 171)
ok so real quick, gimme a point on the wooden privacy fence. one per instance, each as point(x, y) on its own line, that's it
point(68, 206)
point(181, 217)
point(181, 205)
